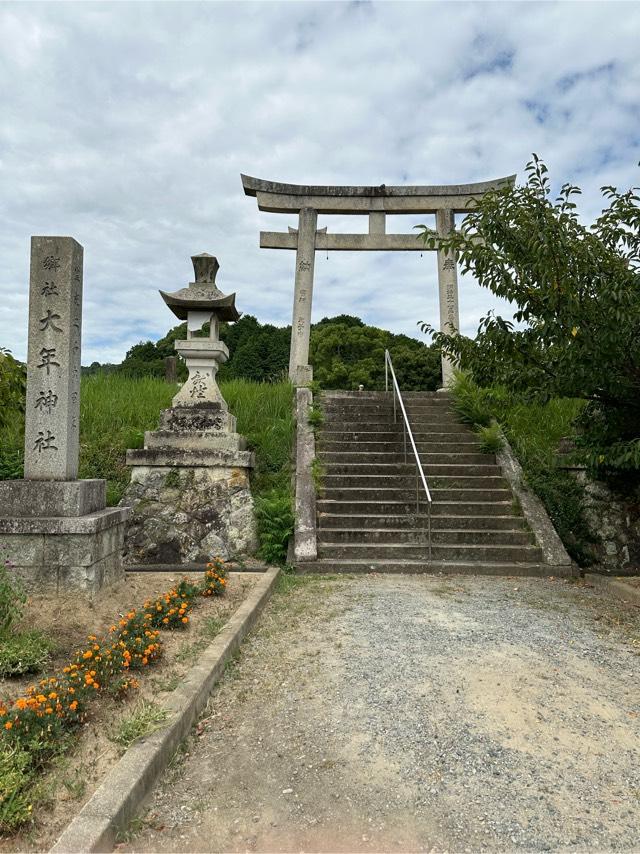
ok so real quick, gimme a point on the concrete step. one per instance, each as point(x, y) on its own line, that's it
point(440, 440)
point(408, 469)
point(396, 447)
point(403, 507)
point(410, 551)
point(435, 567)
point(406, 480)
point(382, 493)
point(330, 455)
point(378, 422)
point(411, 520)
point(417, 535)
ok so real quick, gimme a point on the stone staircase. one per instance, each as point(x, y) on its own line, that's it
point(367, 519)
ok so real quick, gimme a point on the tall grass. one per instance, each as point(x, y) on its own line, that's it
point(534, 431)
point(115, 411)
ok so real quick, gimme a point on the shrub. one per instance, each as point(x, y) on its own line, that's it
point(275, 525)
point(24, 652)
point(34, 726)
point(491, 441)
point(15, 778)
point(12, 600)
point(215, 578)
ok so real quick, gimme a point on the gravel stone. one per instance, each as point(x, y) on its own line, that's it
point(418, 713)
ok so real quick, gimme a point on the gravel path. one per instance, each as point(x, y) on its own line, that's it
point(410, 713)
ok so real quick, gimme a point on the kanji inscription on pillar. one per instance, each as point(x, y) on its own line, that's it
point(52, 418)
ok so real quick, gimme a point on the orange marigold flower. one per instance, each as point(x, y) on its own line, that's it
point(49, 710)
point(87, 654)
point(185, 619)
point(165, 620)
point(73, 706)
point(8, 725)
point(145, 660)
point(53, 695)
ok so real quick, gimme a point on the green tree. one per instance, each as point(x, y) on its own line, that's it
point(576, 289)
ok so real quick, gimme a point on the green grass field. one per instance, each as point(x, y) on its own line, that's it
point(116, 410)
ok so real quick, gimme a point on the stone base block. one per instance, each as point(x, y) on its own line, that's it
point(188, 514)
point(46, 498)
point(204, 440)
point(189, 458)
point(59, 555)
point(187, 419)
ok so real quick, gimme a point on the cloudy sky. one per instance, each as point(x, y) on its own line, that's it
point(127, 125)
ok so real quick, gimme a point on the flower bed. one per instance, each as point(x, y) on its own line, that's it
point(36, 726)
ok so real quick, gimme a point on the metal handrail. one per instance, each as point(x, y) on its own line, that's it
point(388, 366)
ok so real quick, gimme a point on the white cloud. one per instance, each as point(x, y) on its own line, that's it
point(127, 126)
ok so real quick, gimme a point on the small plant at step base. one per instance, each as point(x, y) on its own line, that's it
point(317, 474)
point(315, 418)
point(172, 480)
point(491, 441)
point(145, 719)
point(12, 599)
point(275, 525)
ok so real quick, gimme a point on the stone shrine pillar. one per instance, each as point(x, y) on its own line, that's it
point(448, 289)
point(300, 372)
point(189, 492)
point(59, 533)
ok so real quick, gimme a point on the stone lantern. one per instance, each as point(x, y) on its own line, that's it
point(189, 494)
point(199, 303)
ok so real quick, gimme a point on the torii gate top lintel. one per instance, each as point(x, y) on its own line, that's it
point(308, 201)
point(277, 197)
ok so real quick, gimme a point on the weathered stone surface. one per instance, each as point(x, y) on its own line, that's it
point(189, 514)
point(203, 358)
point(305, 261)
point(52, 416)
point(553, 550)
point(212, 440)
point(197, 418)
point(305, 538)
point(189, 458)
point(92, 523)
point(614, 519)
point(48, 558)
point(33, 498)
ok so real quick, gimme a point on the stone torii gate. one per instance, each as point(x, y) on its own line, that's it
point(308, 201)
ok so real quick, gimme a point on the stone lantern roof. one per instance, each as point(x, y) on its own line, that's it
point(202, 295)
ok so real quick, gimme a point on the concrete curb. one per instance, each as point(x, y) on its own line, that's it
point(615, 586)
point(127, 784)
point(305, 537)
point(553, 551)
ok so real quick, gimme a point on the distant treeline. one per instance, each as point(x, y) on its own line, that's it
point(344, 352)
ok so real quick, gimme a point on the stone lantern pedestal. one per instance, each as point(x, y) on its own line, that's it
point(189, 494)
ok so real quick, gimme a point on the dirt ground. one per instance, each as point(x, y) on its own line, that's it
point(73, 777)
point(407, 713)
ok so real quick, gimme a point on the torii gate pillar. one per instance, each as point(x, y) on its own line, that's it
point(308, 201)
point(300, 372)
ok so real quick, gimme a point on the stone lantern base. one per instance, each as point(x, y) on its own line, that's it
point(189, 494)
